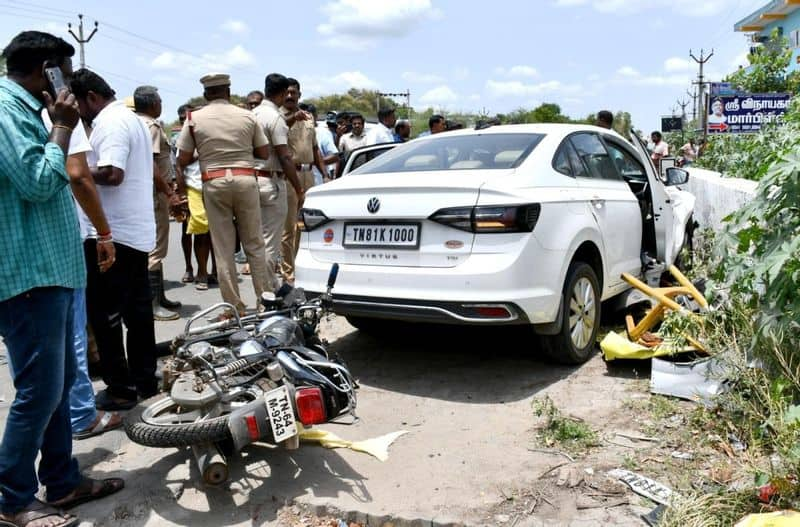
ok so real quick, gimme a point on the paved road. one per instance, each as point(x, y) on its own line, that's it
point(463, 396)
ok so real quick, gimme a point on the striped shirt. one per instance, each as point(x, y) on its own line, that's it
point(39, 238)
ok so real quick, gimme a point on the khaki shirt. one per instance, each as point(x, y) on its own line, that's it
point(161, 147)
point(270, 119)
point(224, 136)
point(302, 139)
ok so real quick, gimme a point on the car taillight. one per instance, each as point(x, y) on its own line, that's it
point(310, 406)
point(490, 218)
point(310, 219)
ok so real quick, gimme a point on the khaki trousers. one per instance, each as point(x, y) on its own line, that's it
point(161, 209)
point(225, 198)
point(291, 236)
point(274, 205)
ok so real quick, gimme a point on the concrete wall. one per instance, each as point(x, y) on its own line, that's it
point(717, 196)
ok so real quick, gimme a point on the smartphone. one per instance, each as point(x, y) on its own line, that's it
point(56, 78)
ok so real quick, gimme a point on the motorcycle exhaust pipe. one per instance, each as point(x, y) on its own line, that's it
point(212, 464)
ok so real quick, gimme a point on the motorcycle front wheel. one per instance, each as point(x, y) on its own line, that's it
point(160, 422)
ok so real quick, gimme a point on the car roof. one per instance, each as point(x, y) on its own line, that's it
point(560, 129)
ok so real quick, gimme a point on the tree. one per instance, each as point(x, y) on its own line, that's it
point(355, 100)
point(767, 71)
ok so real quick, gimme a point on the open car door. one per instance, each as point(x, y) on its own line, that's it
point(663, 214)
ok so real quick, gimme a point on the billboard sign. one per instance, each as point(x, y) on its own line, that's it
point(745, 113)
point(671, 124)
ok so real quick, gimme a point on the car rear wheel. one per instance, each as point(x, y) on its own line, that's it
point(580, 304)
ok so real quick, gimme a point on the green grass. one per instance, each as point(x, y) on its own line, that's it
point(562, 431)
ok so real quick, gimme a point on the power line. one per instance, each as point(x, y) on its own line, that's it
point(26, 10)
point(30, 17)
point(46, 7)
point(136, 82)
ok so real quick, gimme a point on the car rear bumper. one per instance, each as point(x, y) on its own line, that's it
point(529, 288)
point(427, 311)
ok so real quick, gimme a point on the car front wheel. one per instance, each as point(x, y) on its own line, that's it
point(580, 305)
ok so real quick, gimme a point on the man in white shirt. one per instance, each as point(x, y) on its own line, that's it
point(383, 132)
point(121, 163)
point(355, 139)
point(86, 420)
point(660, 147)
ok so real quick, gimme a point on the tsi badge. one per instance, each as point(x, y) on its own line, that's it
point(373, 205)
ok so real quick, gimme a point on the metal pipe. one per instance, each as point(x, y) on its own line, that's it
point(212, 464)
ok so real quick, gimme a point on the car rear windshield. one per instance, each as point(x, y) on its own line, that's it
point(456, 152)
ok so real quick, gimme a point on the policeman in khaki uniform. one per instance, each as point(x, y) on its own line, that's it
point(228, 140)
point(278, 172)
point(305, 152)
point(147, 104)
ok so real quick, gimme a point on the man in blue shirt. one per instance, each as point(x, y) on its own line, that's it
point(42, 264)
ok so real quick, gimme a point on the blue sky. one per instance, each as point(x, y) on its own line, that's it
point(584, 55)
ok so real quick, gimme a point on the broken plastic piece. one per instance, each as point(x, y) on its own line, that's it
point(377, 447)
point(697, 380)
point(771, 519)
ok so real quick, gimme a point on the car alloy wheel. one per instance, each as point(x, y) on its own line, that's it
point(582, 313)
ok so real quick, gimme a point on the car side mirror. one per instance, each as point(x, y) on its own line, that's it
point(676, 176)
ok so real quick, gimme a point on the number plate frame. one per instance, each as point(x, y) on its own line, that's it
point(280, 411)
point(376, 224)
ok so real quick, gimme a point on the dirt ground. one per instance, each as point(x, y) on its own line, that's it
point(470, 457)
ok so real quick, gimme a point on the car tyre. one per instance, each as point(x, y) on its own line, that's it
point(580, 305)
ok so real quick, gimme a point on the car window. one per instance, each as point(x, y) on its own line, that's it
point(362, 157)
point(561, 161)
point(578, 168)
point(626, 164)
point(591, 150)
point(475, 151)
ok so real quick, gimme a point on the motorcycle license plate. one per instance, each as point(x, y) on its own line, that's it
point(281, 413)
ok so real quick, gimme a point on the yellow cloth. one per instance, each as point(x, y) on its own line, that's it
point(771, 519)
point(377, 446)
point(616, 346)
point(198, 220)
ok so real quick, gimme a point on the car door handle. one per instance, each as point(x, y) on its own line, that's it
point(598, 203)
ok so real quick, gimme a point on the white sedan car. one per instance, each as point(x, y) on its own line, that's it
point(518, 224)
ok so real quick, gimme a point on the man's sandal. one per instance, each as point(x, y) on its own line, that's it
point(38, 511)
point(102, 426)
point(86, 491)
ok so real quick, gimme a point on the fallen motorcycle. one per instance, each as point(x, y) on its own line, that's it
point(250, 379)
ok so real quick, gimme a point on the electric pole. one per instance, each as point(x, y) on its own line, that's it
point(79, 37)
point(693, 95)
point(701, 84)
point(406, 94)
point(683, 104)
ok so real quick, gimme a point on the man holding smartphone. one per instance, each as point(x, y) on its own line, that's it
point(42, 266)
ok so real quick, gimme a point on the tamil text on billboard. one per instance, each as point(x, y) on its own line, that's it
point(745, 113)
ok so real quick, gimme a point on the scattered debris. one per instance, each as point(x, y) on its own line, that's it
point(653, 517)
point(737, 444)
point(644, 486)
point(377, 447)
point(585, 502)
point(697, 380)
point(554, 452)
point(686, 456)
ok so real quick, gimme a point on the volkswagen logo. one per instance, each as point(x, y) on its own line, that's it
point(373, 205)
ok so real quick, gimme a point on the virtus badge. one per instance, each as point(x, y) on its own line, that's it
point(373, 205)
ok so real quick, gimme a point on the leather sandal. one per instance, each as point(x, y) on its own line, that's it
point(86, 491)
point(38, 510)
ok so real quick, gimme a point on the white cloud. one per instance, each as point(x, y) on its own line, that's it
point(236, 57)
point(662, 80)
point(356, 24)
point(235, 26)
point(440, 96)
point(422, 78)
point(517, 71)
point(680, 7)
point(628, 71)
point(325, 85)
point(461, 73)
point(516, 88)
point(674, 64)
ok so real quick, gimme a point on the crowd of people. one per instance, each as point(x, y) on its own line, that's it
point(88, 184)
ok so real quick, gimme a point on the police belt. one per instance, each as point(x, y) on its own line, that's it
point(269, 173)
point(208, 175)
point(303, 167)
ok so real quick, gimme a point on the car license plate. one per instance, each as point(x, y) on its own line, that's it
point(382, 235)
point(281, 413)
